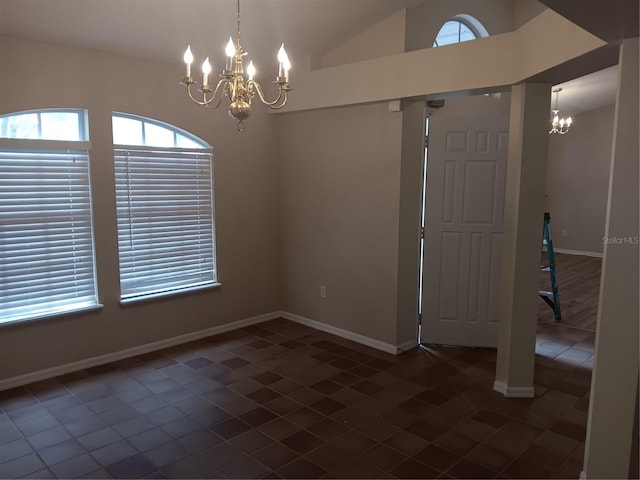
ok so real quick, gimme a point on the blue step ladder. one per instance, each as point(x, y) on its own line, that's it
point(552, 298)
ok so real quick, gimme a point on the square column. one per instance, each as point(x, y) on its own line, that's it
point(614, 386)
point(523, 221)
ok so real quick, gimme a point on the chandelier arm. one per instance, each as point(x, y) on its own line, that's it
point(195, 100)
point(284, 102)
point(204, 101)
point(271, 104)
point(224, 84)
point(217, 104)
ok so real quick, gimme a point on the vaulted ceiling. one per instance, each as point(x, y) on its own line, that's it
point(610, 21)
point(161, 29)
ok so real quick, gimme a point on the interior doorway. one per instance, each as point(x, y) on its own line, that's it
point(463, 184)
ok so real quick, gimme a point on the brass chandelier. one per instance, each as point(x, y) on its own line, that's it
point(559, 124)
point(233, 84)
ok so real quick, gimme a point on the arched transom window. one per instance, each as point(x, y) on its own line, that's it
point(461, 28)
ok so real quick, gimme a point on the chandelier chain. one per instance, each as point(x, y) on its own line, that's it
point(238, 19)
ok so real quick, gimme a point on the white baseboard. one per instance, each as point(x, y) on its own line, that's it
point(513, 392)
point(356, 337)
point(31, 377)
point(576, 252)
point(131, 352)
point(583, 475)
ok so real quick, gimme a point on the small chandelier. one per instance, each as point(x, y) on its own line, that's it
point(559, 124)
point(233, 84)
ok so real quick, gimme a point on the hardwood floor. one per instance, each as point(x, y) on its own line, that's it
point(568, 344)
point(578, 280)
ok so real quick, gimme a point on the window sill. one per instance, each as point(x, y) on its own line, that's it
point(51, 316)
point(166, 295)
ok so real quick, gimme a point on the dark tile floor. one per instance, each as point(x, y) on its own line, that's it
point(281, 400)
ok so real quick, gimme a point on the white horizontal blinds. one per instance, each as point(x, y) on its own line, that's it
point(46, 243)
point(165, 220)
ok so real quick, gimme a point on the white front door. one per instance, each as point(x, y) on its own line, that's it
point(464, 206)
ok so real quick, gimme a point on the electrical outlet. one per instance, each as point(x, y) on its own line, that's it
point(564, 232)
point(323, 291)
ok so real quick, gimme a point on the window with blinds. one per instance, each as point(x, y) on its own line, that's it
point(47, 262)
point(165, 209)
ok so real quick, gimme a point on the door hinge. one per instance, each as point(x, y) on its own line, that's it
point(426, 141)
point(422, 232)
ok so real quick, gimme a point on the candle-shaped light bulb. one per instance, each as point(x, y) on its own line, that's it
point(231, 48)
point(556, 119)
point(188, 59)
point(251, 70)
point(282, 55)
point(569, 122)
point(230, 51)
point(206, 70)
point(283, 59)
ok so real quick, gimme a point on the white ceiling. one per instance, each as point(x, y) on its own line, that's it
point(587, 93)
point(161, 29)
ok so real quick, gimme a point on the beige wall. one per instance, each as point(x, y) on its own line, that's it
point(339, 194)
point(525, 10)
point(384, 38)
point(36, 75)
point(409, 222)
point(578, 181)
